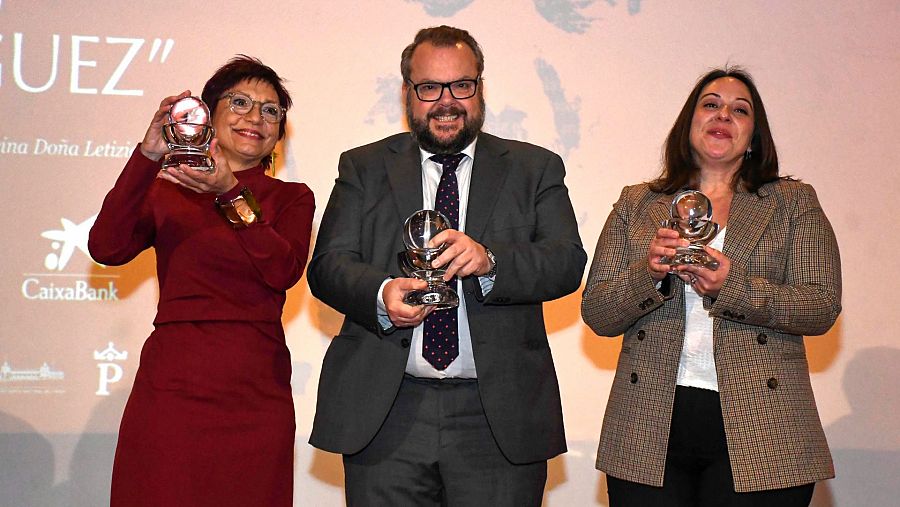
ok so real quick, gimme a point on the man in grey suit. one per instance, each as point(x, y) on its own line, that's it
point(444, 407)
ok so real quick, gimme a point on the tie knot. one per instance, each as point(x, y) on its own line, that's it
point(448, 160)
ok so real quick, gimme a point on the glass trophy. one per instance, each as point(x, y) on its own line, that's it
point(416, 260)
point(188, 135)
point(691, 216)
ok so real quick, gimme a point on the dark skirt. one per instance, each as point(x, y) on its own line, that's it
point(210, 419)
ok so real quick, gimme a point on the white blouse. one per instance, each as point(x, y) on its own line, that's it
point(697, 366)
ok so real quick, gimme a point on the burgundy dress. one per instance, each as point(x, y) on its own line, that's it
point(210, 419)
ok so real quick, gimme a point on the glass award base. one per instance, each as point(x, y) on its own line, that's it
point(691, 255)
point(196, 160)
point(438, 295)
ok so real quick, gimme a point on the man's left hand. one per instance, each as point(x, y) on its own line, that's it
point(463, 256)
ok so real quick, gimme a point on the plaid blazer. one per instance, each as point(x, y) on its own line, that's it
point(784, 282)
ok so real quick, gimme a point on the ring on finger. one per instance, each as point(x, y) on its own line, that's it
point(693, 280)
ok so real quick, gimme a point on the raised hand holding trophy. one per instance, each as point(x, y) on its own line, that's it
point(415, 261)
point(188, 135)
point(691, 214)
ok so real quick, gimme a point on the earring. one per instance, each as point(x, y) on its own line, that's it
point(748, 153)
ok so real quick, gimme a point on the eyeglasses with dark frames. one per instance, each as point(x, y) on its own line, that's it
point(242, 104)
point(429, 91)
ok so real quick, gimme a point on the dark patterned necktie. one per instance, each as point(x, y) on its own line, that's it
point(440, 332)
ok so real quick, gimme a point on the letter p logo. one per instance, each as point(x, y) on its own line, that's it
point(110, 373)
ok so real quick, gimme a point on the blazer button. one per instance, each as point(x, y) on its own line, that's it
point(642, 306)
point(726, 313)
point(404, 343)
point(502, 300)
point(741, 317)
point(648, 302)
point(633, 378)
point(641, 334)
point(772, 383)
point(762, 339)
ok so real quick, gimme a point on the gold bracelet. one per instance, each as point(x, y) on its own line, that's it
point(242, 211)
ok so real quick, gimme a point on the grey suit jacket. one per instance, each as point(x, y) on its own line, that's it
point(518, 207)
point(785, 281)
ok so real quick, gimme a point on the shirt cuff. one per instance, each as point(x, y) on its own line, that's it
point(487, 284)
point(381, 310)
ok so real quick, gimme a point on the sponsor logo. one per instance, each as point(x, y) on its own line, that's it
point(66, 240)
point(35, 288)
point(44, 379)
point(55, 284)
point(110, 371)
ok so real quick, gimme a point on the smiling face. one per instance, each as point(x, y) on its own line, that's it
point(245, 139)
point(722, 125)
point(447, 125)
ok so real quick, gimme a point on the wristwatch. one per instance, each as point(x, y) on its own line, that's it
point(491, 257)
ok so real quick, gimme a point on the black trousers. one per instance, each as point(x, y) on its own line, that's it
point(436, 449)
point(698, 470)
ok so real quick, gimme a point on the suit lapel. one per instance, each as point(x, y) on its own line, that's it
point(749, 216)
point(489, 171)
point(404, 170)
point(659, 211)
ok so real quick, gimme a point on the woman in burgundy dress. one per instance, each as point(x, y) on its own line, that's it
point(210, 419)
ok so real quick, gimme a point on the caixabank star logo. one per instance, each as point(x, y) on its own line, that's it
point(56, 282)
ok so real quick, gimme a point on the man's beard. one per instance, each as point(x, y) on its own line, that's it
point(430, 143)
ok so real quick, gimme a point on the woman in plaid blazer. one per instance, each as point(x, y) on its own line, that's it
point(711, 402)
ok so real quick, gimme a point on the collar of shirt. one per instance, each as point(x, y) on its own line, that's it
point(431, 176)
